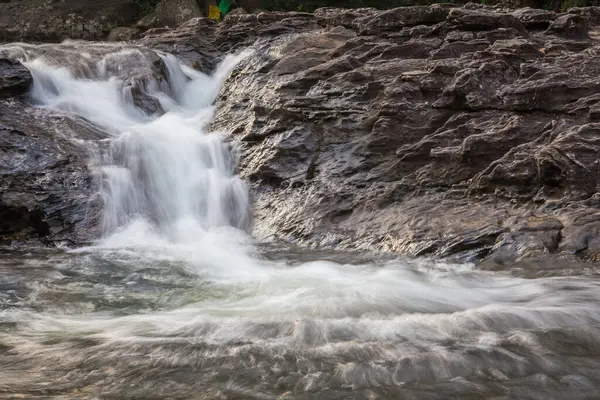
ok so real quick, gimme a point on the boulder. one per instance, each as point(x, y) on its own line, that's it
point(172, 13)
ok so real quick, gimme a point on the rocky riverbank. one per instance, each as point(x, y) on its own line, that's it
point(432, 130)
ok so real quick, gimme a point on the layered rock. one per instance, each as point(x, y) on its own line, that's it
point(422, 130)
point(48, 191)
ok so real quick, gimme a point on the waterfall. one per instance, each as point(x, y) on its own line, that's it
point(161, 169)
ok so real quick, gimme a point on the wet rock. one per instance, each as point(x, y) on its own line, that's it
point(397, 18)
point(591, 13)
point(430, 130)
point(46, 189)
point(147, 22)
point(476, 20)
point(15, 79)
point(192, 42)
point(473, 137)
point(172, 13)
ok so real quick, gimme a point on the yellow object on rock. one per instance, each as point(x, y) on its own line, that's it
point(214, 12)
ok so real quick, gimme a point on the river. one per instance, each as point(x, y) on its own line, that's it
point(177, 300)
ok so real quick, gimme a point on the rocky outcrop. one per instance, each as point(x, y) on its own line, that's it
point(467, 132)
point(45, 186)
point(51, 21)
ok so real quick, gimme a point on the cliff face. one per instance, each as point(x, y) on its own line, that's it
point(422, 130)
point(427, 130)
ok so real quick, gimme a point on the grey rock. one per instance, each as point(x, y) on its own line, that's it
point(172, 13)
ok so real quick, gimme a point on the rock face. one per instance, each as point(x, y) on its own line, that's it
point(421, 130)
point(50, 21)
point(47, 190)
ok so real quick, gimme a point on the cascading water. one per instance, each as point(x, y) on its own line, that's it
point(159, 172)
point(174, 302)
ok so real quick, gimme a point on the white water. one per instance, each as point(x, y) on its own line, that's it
point(171, 194)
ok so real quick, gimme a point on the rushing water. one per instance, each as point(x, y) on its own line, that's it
point(178, 301)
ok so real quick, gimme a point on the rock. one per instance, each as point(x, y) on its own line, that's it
point(430, 130)
point(468, 137)
point(147, 22)
point(193, 42)
point(591, 13)
point(15, 79)
point(473, 20)
point(172, 13)
point(534, 18)
point(50, 21)
point(569, 26)
point(46, 188)
point(123, 34)
point(345, 18)
point(392, 20)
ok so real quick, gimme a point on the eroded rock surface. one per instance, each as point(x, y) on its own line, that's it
point(424, 130)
